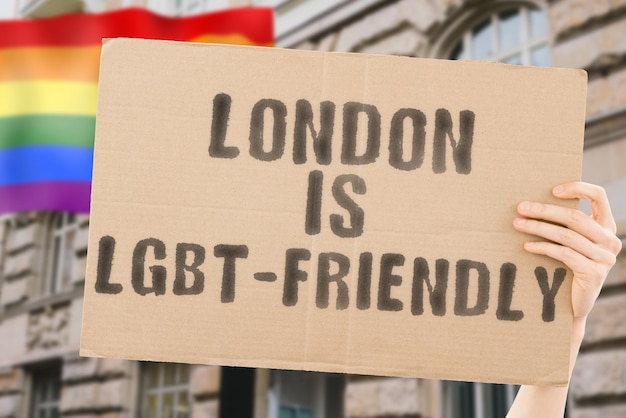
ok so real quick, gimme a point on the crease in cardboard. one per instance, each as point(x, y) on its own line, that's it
point(355, 243)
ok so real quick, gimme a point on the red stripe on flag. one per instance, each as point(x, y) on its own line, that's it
point(255, 24)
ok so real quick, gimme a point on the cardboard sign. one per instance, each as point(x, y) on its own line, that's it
point(333, 212)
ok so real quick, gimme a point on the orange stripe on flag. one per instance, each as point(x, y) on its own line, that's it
point(235, 39)
point(69, 64)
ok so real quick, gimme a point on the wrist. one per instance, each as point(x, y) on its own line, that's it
point(578, 331)
point(576, 339)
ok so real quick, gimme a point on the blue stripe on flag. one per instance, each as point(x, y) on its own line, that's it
point(45, 163)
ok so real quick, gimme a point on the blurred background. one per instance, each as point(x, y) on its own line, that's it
point(42, 254)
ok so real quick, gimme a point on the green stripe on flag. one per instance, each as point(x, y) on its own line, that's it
point(18, 131)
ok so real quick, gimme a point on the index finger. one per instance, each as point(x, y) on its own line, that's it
point(600, 208)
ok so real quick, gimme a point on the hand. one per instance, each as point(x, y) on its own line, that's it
point(586, 244)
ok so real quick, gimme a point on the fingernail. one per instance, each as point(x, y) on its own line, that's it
point(524, 206)
point(520, 221)
point(529, 244)
point(558, 190)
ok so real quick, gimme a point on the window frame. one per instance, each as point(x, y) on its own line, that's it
point(160, 390)
point(58, 225)
point(316, 399)
point(5, 224)
point(299, 410)
point(523, 48)
point(450, 34)
point(477, 399)
point(42, 378)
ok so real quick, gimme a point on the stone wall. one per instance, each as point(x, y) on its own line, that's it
point(21, 256)
point(11, 388)
point(383, 397)
point(37, 328)
point(591, 34)
point(587, 34)
point(205, 387)
point(47, 322)
point(93, 387)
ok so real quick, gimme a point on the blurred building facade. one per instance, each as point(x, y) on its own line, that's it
point(42, 255)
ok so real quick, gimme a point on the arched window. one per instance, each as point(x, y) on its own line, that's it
point(514, 36)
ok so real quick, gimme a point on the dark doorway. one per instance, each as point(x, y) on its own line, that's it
point(237, 392)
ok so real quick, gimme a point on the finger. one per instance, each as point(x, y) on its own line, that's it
point(566, 237)
point(571, 218)
point(575, 261)
point(587, 274)
point(600, 207)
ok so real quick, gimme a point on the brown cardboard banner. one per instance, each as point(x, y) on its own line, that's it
point(334, 212)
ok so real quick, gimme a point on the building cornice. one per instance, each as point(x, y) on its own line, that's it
point(605, 128)
point(319, 23)
point(42, 303)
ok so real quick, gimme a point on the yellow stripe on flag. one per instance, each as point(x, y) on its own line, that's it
point(48, 97)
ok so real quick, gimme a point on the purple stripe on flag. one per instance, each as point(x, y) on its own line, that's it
point(63, 196)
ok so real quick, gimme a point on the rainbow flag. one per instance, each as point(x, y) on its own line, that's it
point(48, 94)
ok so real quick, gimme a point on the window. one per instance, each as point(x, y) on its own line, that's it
point(45, 392)
point(477, 400)
point(513, 36)
point(165, 390)
point(4, 226)
point(61, 256)
point(294, 412)
point(299, 394)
